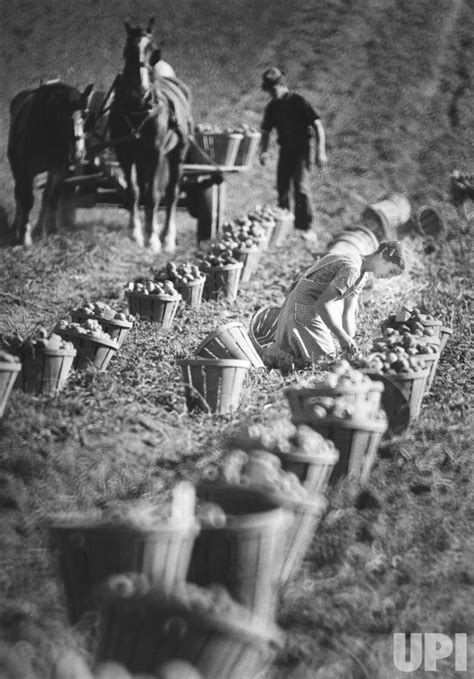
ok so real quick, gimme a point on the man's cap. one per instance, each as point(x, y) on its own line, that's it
point(271, 77)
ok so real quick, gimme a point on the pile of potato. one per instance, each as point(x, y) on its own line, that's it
point(263, 469)
point(146, 286)
point(281, 436)
point(91, 328)
point(399, 352)
point(42, 340)
point(178, 274)
point(219, 255)
point(413, 321)
point(105, 311)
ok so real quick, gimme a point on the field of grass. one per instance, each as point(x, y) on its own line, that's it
point(393, 82)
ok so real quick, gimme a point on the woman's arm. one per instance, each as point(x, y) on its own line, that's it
point(349, 312)
point(329, 310)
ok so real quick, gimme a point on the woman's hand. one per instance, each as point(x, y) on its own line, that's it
point(349, 348)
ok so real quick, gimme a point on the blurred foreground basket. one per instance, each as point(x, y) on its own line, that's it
point(247, 554)
point(89, 553)
point(142, 628)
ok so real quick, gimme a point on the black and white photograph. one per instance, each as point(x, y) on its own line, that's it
point(236, 357)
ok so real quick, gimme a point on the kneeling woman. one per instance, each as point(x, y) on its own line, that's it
point(322, 304)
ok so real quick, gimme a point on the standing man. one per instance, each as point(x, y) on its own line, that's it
point(298, 125)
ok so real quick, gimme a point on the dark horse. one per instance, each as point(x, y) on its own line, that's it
point(46, 135)
point(150, 120)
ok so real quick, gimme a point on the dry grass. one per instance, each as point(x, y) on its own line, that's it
point(384, 75)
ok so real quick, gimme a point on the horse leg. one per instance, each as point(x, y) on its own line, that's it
point(157, 171)
point(168, 236)
point(52, 224)
point(133, 206)
point(24, 199)
point(44, 219)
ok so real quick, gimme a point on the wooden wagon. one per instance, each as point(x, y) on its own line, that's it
point(98, 180)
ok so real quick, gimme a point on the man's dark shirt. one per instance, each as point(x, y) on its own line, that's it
point(292, 117)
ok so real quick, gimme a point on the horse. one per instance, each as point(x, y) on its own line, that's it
point(150, 120)
point(46, 134)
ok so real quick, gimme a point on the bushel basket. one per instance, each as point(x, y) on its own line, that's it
point(142, 629)
point(365, 395)
point(219, 148)
point(247, 149)
point(88, 554)
point(213, 385)
point(312, 469)
point(90, 351)
point(414, 385)
point(357, 442)
point(192, 291)
point(117, 329)
point(45, 371)
point(283, 230)
point(307, 514)
point(9, 371)
point(223, 282)
point(262, 330)
point(246, 555)
point(250, 258)
point(230, 341)
point(160, 309)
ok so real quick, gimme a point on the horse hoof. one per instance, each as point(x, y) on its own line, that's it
point(155, 245)
point(139, 240)
point(169, 247)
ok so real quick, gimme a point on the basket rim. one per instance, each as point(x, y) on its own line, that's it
point(329, 456)
point(10, 366)
point(361, 388)
point(224, 362)
point(112, 344)
point(53, 352)
point(246, 492)
point(64, 525)
point(412, 374)
point(164, 298)
point(119, 323)
point(227, 267)
point(379, 425)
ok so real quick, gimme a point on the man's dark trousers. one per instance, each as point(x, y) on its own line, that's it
point(293, 169)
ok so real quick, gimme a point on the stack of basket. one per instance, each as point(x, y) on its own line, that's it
point(215, 377)
point(344, 406)
point(131, 561)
